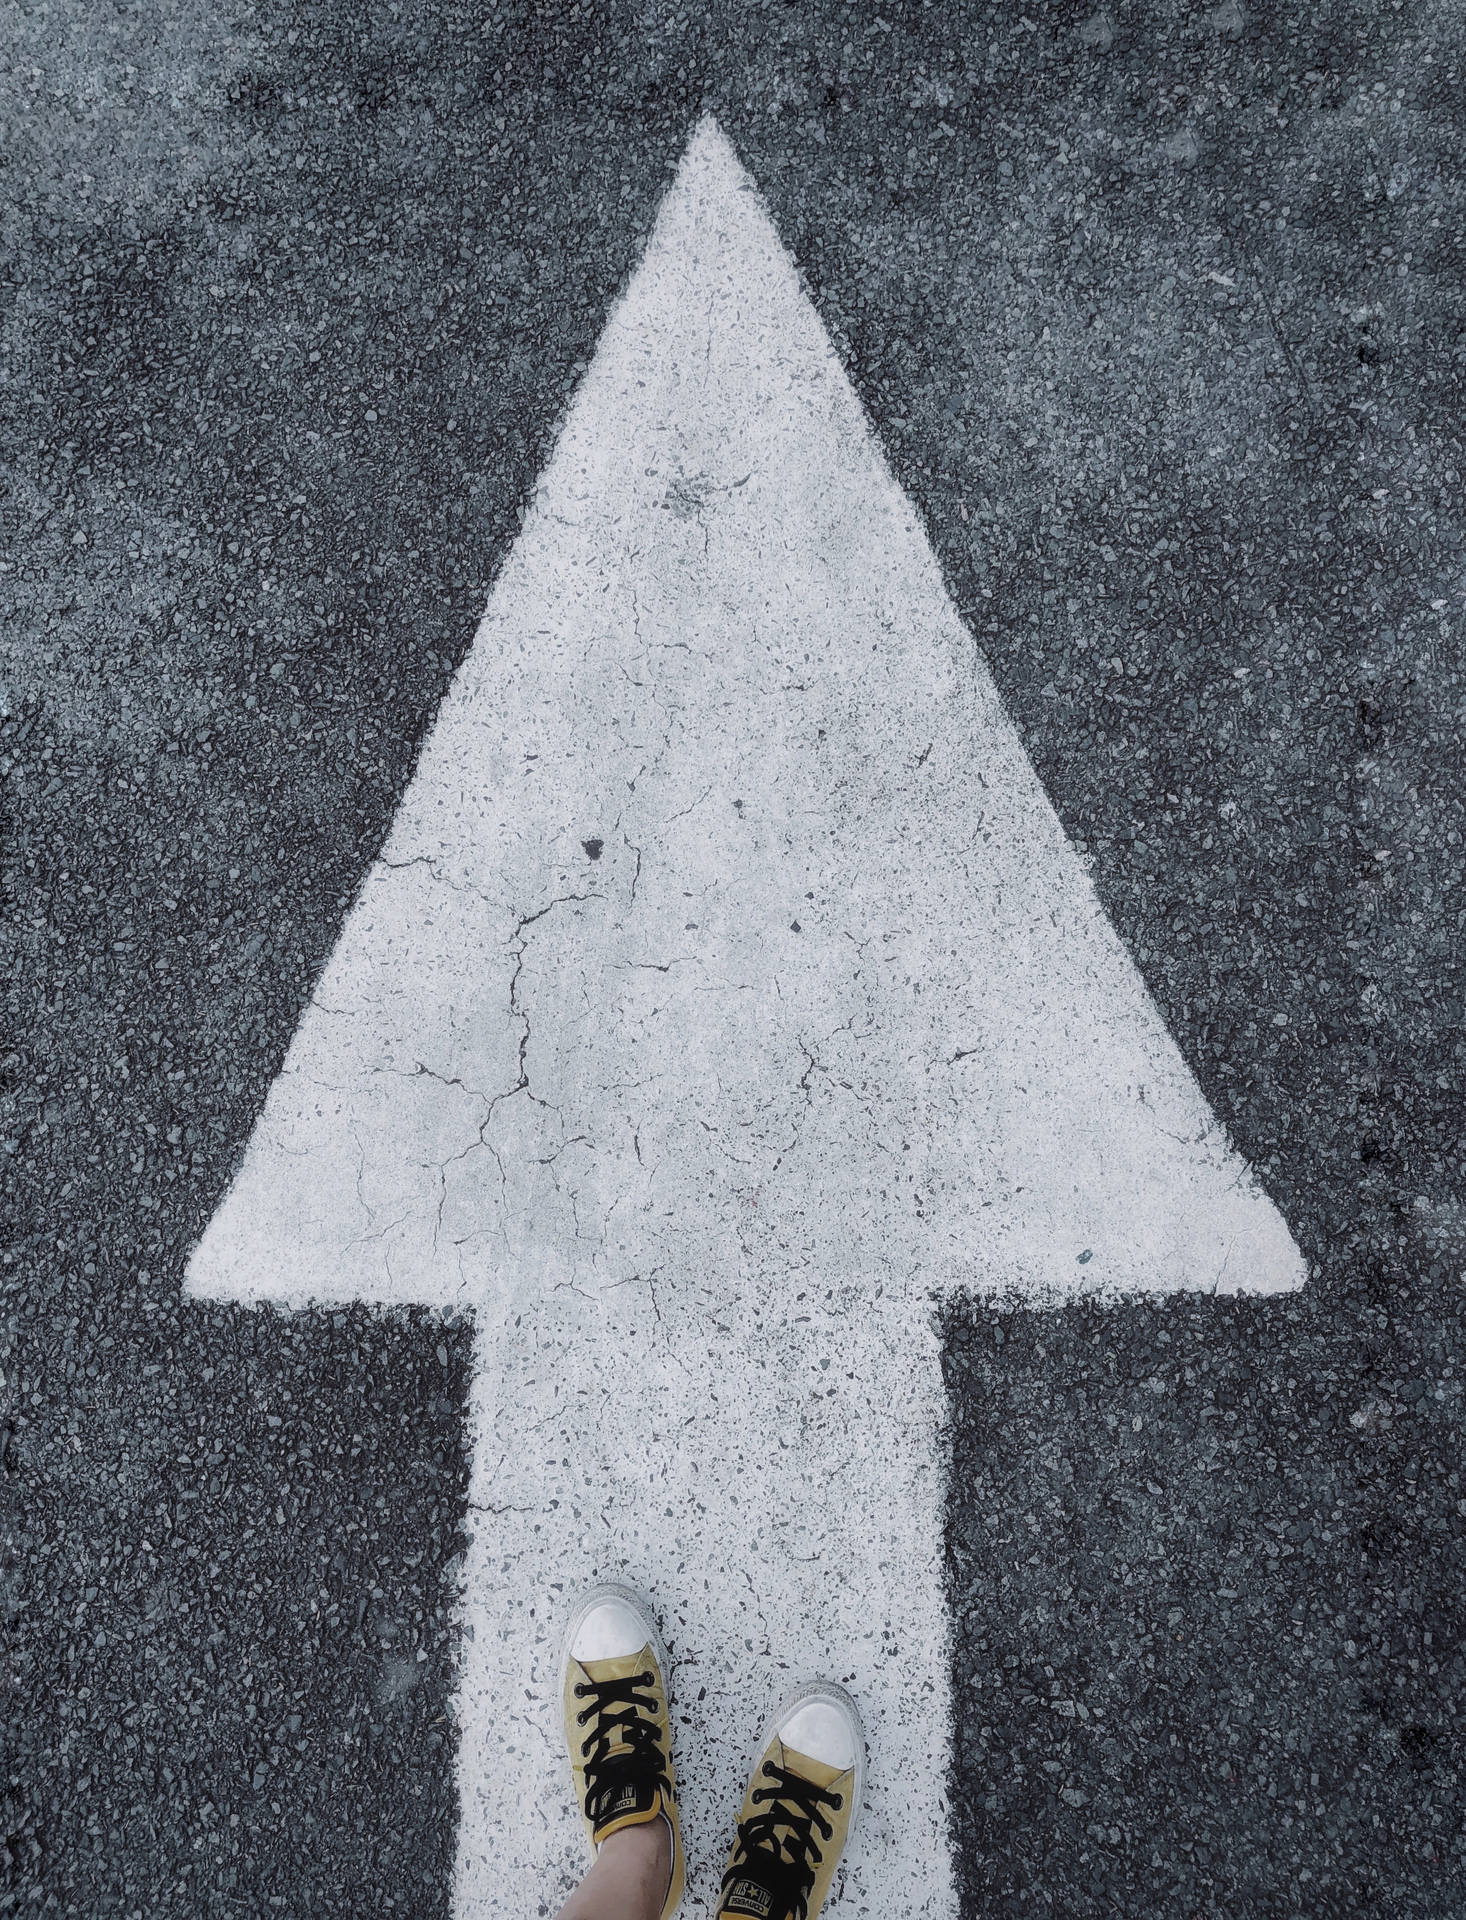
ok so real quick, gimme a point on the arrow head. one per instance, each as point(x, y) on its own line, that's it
point(725, 925)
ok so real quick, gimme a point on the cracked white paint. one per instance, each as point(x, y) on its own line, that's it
point(699, 1128)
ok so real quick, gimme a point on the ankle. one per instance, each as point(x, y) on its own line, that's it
point(644, 1849)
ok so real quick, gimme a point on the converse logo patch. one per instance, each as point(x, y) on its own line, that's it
point(625, 1799)
point(747, 1896)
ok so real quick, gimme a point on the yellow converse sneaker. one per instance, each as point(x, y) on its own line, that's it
point(799, 1809)
point(616, 1722)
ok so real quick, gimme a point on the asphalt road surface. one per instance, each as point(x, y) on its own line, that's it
point(1158, 317)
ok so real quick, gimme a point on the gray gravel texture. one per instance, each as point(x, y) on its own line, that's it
point(1161, 314)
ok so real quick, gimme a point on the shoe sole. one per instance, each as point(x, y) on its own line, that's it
point(835, 1696)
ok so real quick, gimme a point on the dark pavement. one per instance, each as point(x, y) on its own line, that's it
point(1161, 317)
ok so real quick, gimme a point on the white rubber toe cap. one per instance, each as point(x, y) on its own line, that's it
point(609, 1630)
point(822, 1730)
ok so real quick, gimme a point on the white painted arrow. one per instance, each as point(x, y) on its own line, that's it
point(726, 990)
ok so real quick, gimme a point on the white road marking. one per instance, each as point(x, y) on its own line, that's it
point(727, 991)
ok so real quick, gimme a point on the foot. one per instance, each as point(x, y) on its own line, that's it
point(617, 1724)
point(799, 1809)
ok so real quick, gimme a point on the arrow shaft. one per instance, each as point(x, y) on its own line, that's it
point(784, 1515)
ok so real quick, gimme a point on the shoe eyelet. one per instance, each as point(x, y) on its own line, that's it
point(837, 1801)
point(580, 1691)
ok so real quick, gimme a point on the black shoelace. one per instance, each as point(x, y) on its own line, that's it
point(621, 1714)
point(778, 1850)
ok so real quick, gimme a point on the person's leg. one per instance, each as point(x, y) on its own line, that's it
point(629, 1878)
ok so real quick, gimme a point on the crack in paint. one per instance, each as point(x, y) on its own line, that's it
point(421, 1071)
point(443, 879)
point(549, 1159)
point(521, 1085)
point(633, 848)
point(688, 809)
